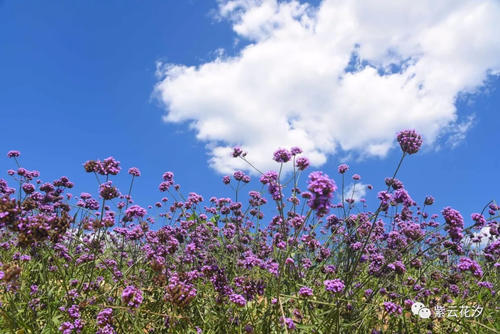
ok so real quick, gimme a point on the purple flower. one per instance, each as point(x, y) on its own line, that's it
point(13, 154)
point(238, 299)
point(107, 191)
point(226, 179)
point(270, 176)
point(74, 312)
point(134, 171)
point(356, 177)
point(33, 289)
point(410, 141)
point(295, 150)
point(28, 188)
point(479, 220)
point(282, 155)
point(467, 264)
point(391, 308)
point(334, 285)
point(343, 168)
point(237, 151)
point(132, 296)
point(238, 175)
point(454, 223)
point(322, 189)
point(302, 163)
point(66, 327)
point(105, 317)
point(288, 322)
point(305, 291)
point(108, 329)
point(168, 176)
point(135, 211)
point(108, 166)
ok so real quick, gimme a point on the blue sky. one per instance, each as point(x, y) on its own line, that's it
point(77, 82)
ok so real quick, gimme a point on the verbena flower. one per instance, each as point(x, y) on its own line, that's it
point(343, 168)
point(132, 296)
point(134, 171)
point(410, 141)
point(321, 188)
point(335, 285)
point(282, 155)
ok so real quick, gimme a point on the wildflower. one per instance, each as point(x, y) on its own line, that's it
point(429, 200)
point(13, 154)
point(282, 155)
point(238, 175)
point(321, 188)
point(132, 296)
point(226, 179)
point(134, 171)
point(302, 163)
point(28, 188)
point(391, 308)
point(74, 312)
point(105, 317)
point(479, 220)
point(109, 166)
point(305, 291)
point(410, 141)
point(238, 299)
point(335, 285)
point(467, 264)
point(343, 168)
point(288, 322)
point(454, 223)
point(108, 191)
point(268, 177)
point(237, 151)
point(135, 211)
point(66, 327)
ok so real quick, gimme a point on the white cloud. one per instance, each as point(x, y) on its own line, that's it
point(483, 235)
point(355, 191)
point(345, 75)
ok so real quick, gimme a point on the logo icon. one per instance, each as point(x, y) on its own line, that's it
point(420, 310)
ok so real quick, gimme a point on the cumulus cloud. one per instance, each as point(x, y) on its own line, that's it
point(355, 191)
point(346, 75)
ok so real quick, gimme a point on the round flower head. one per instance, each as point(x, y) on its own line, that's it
point(302, 163)
point(134, 171)
point(343, 168)
point(305, 291)
point(238, 299)
point(282, 155)
point(321, 188)
point(410, 141)
point(295, 150)
point(429, 200)
point(13, 154)
point(334, 285)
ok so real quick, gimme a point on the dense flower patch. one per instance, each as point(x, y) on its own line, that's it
point(317, 264)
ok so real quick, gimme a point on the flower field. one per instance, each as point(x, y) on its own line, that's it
point(287, 256)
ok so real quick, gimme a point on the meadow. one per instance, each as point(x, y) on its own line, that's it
point(92, 263)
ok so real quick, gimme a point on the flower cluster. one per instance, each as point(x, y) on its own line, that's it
point(282, 256)
point(410, 141)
